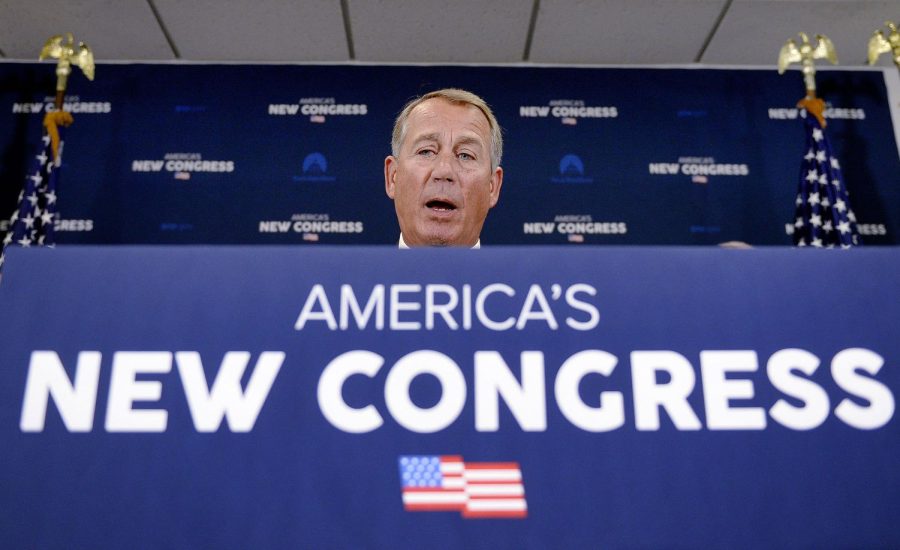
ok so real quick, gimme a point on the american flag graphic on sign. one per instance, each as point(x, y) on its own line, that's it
point(432, 483)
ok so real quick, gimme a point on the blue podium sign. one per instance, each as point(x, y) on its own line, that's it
point(237, 397)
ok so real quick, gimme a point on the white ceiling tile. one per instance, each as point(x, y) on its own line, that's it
point(753, 31)
point(475, 31)
point(622, 31)
point(114, 29)
point(256, 30)
point(435, 31)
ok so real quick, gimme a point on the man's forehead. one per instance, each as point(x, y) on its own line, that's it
point(427, 112)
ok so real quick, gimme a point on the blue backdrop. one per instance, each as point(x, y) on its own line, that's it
point(815, 474)
point(264, 154)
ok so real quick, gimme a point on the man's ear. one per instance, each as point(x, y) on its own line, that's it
point(390, 175)
point(496, 184)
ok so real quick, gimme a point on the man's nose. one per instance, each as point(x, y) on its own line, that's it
point(443, 169)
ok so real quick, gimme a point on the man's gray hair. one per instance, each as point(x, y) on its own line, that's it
point(456, 97)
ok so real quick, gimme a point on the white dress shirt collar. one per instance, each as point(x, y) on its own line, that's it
point(403, 244)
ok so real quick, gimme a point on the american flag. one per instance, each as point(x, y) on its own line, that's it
point(31, 224)
point(476, 489)
point(823, 217)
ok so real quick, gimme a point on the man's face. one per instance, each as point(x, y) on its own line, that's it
point(441, 181)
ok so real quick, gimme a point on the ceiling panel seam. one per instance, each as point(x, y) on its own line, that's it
point(531, 23)
point(345, 13)
point(713, 31)
point(164, 30)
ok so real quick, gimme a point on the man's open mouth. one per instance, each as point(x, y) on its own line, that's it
point(441, 206)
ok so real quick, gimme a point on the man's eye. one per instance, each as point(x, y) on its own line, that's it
point(425, 152)
point(465, 156)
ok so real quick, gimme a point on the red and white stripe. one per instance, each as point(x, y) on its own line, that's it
point(494, 490)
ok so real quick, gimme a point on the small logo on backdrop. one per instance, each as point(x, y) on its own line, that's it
point(73, 104)
point(182, 165)
point(698, 168)
point(186, 109)
point(568, 111)
point(317, 108)
point(571, 170)
point(705, 229)
point(475, 489)
point(315, 163)
point(692, 113)
point(176, 227)
point(571, 165)
point(315, 169)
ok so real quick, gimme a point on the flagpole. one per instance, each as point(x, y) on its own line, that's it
point(32, 222)
point(823, 217)
point(67, 54)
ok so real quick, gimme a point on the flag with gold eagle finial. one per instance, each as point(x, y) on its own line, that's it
point(31, 224)
point(823, 217)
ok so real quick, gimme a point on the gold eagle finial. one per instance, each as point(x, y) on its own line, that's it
point(68, 55)
point(806, 54)
point(878, 44)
